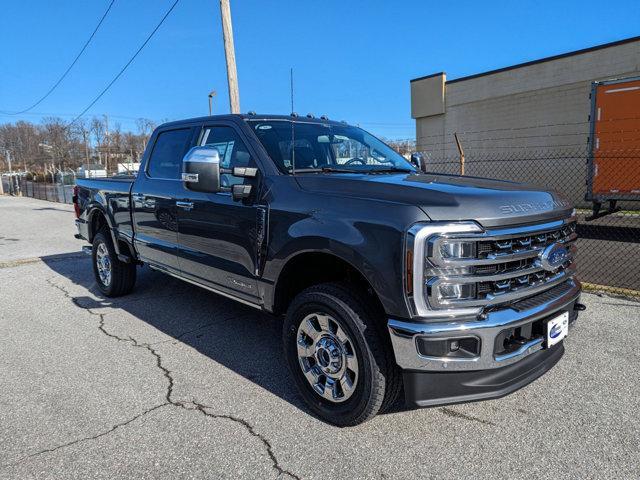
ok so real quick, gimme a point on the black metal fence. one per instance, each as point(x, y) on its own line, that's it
point(53, 192)
point(605, 190)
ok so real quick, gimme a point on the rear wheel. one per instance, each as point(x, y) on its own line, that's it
point(114, 277)
point(339, 361)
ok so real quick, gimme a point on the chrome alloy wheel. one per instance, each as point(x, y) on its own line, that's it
point(103, 262)
point(327, 357)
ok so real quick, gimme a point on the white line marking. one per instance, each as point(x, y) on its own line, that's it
point(627, 89)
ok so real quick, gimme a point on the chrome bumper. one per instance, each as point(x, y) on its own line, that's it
point(404, 335)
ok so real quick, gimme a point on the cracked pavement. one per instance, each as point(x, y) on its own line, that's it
point(175, 382)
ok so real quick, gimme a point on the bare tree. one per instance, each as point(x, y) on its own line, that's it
point(98, 130)
point(35, 147)
point(81, 129)
point(145, 128)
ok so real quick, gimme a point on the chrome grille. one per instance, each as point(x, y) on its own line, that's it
point(506, 264)
point(487, 248)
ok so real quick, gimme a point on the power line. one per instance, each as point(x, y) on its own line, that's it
point(93, 102)
point(55, 85)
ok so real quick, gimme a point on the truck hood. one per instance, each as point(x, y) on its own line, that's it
point(491, 203)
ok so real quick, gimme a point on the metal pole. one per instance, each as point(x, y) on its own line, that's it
point(11, 187)
point(230, 55)
point(212, 94)
point(461, 152)
point(106, 122)
point(64, 191)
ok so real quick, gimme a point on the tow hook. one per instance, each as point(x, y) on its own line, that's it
point(579, 307)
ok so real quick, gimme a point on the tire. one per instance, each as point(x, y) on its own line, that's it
point(122, 276)
point(344, 392)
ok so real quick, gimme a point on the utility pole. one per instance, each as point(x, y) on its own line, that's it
point(230, 55)
point(86, 145)
point(106, 123)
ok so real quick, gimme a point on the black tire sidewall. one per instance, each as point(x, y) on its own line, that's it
point(97, 240)
point(339, 413)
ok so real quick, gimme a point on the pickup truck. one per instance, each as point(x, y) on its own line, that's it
point(388, 279)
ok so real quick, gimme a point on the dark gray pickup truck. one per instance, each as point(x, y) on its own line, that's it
point(450, 288)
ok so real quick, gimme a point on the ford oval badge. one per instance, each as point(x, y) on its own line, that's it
point(556, 330)
point(553, 256)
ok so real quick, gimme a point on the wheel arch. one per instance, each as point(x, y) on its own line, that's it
point(312, 267)
point(98, 219)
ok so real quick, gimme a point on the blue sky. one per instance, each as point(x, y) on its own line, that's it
point(352, 60)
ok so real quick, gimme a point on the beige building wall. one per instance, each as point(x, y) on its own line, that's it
point(536, 114)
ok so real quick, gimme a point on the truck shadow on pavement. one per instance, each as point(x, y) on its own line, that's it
point(242, 339)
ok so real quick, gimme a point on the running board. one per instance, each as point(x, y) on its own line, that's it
point(206, 287)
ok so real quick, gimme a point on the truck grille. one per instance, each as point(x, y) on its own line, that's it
point(501, 265)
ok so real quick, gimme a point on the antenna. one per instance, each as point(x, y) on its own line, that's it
point(293, 131)
point(291, 81)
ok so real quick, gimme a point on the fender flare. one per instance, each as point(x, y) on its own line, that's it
point(98, 209)
point(340, 251)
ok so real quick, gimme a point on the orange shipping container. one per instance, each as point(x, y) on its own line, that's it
point(614, 165)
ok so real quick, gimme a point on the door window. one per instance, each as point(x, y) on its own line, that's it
point(166, 157)
point(233, 152)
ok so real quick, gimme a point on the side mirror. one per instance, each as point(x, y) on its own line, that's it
point(201, 169)
point(419, 161)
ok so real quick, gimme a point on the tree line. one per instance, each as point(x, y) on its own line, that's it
point(54, 145)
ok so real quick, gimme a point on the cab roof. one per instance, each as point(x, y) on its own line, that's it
point(253, 116)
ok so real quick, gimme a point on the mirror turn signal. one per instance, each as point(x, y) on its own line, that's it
point(245, 172)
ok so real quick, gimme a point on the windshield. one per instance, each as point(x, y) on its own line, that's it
point(326, 147)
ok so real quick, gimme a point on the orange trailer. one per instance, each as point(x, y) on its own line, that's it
point(614, 161)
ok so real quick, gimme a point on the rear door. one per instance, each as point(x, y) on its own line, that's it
point(217, 235)
point(154, 196)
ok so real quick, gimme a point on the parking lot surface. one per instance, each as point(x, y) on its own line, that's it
point(175, 382)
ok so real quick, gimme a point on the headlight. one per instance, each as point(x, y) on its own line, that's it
point(457, 249)
point(426, 240)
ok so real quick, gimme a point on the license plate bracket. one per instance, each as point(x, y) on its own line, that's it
point(557, 329)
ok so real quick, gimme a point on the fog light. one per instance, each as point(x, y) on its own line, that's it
point(463, 291)
point(459, 347)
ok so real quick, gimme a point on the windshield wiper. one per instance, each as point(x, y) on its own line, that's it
point(390, 170)
point(328, 170)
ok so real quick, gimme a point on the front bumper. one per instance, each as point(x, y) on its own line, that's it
point(425, 389)
point(494, 373)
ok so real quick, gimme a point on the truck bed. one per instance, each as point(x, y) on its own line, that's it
point(112, 196)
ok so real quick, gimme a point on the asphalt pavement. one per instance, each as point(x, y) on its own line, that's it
point(175, 382)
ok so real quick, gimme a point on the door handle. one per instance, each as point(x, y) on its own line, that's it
point(185, 205)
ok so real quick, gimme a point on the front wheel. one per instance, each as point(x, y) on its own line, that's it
point(340, 364)
point(114, 278)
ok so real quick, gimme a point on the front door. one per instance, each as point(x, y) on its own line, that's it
point(154, 199)
point(216, 234)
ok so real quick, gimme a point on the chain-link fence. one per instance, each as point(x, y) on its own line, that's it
point(604, 188)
